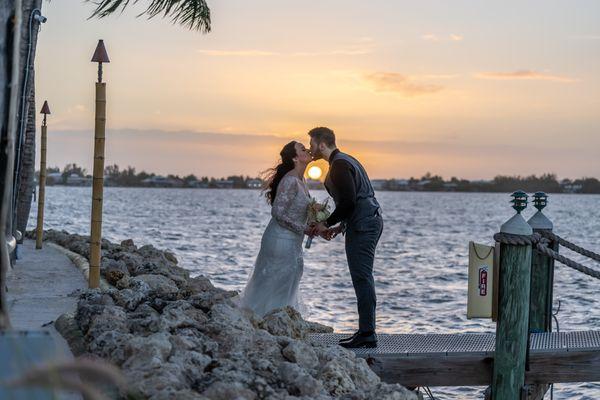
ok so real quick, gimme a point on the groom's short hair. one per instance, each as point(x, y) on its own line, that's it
point(322, 134)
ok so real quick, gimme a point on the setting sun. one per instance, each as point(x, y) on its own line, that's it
point(314, 172)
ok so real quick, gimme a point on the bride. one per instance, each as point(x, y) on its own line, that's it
point(279, 264)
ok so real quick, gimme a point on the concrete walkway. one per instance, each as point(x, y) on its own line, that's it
point(40, 288)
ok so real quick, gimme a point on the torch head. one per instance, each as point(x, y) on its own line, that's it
point(100, 56)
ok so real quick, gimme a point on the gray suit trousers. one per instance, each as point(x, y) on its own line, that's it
point(361, 240)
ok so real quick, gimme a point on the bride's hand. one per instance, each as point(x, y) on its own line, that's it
point(309, 230)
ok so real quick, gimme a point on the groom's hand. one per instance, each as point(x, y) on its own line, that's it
point(333, 232)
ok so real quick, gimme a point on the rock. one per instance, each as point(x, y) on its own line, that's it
point(192, 363)
point(170, 394)
point(113, 270)
point(133, 261)
point(189, 339)
point(226, 316)
point(168, 377)
point(170, 257)
point(144, 320)
point(206, 300)
point(302, 354)
point(68, 328)
point(130, 298)
point(128, 244)
point(123, 283)
point(181, 314)
point(111, 318)
point(298, 382)
point(91, 303)
point(144, 353)
point(229, 391)
point(336, 379)
point(285, 322)
point(315, 327)
point(111, 346)
point(199, 284)
point(340, 363)
point(160, 286)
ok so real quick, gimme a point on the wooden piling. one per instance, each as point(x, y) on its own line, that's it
point(512, 331)
point(542, 279)
point(542, 273)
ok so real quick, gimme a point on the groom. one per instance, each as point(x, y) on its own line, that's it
point(358, 214)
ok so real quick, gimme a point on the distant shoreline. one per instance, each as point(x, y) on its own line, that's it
point(73, 175)
point(315, 188)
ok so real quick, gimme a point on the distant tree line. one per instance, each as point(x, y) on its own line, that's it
point(547, 182)
point(72, 174)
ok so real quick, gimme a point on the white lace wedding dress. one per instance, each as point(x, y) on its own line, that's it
point(279, 264)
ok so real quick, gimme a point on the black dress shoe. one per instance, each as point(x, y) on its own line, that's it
point(359, 341)
point(349, 338)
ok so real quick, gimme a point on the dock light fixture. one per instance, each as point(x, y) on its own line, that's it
point(519, 200)
point(540, 200)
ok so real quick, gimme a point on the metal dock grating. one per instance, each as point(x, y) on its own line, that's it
point(456, 344)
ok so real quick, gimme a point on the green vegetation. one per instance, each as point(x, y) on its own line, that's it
point(74, 175)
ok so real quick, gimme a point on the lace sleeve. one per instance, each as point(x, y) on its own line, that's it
point(286, 193)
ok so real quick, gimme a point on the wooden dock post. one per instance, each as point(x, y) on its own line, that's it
point(100, 56)
point(512, 330)
point(542, 272)
point(39, 233)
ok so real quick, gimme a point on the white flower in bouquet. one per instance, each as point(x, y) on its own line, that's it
point(317, 212)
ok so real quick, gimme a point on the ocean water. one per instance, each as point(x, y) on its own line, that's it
point(420, 269)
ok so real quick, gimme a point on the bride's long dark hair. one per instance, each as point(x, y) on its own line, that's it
point(273, 176)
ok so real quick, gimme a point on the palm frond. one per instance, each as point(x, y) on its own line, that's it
point(193, 14)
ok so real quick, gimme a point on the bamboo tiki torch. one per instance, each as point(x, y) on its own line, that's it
point(39, 236)
point(100, 56)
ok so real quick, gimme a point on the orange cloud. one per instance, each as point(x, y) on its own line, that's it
point(395, 82)
point(525, 75)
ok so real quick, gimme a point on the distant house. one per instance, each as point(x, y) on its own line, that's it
point(53, 178)
point(572, 187)
point(422, 184)
point(76, 180)
point(224, 184)
point(379, 184)
point(161, 181)
point(254, 184)
point(397, 184)
point(450, 186)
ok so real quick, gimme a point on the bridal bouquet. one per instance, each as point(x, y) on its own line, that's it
point(317, 212)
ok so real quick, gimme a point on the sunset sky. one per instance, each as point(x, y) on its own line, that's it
point(457, 88)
